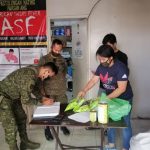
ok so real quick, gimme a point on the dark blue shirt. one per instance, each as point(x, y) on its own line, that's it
point(110, 75)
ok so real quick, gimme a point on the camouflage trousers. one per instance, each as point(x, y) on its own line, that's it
point(12, 117)
point(59, 98)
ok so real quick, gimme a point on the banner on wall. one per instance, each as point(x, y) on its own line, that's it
point(23, 37)
point(9, 56)
point(6, 70)
point(31, 55)
point(23, 23)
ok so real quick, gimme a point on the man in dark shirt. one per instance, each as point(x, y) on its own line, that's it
point(114, 76)
point(110, 39)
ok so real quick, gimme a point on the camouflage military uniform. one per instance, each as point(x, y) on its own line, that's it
point(15, 89)
point(56, 87)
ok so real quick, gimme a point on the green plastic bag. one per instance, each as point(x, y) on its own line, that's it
point(117, 108)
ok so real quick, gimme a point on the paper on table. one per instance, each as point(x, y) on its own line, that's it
point(82, 117)
point(47, 111)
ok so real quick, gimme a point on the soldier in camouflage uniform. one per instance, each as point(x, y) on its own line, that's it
point(55, 87)
point(16, 90)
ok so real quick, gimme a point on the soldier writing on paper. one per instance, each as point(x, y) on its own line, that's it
point(16, 90)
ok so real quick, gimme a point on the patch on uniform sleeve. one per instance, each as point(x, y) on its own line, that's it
point(124, 76)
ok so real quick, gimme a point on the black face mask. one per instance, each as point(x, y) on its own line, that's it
point(106, 64)
point(39, 80)
point(55, 54)
point(48, 78)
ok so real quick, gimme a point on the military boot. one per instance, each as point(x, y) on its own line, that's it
point(13, 147)
point(27, 144)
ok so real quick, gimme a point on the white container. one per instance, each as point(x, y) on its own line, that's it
point(103, 112)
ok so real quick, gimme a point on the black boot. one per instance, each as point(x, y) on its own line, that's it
point(48, 134)
point(65, 130)
point(27, 144)
point(21, 119)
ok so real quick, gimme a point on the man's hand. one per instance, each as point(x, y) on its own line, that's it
point(47, 101)
point(81, 94)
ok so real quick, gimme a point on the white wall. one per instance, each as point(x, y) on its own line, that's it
point(80, 62)
point(130, 21)
point(69, 8)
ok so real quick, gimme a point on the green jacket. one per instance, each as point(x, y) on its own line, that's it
point(57, 84)
point(20, 84)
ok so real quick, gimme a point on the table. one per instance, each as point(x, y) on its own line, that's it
point(68, 122)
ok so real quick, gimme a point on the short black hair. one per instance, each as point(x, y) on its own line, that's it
point(52, 66)
point(57, 41)
point(111, 38)
point(105, 51)
point(11, 50)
